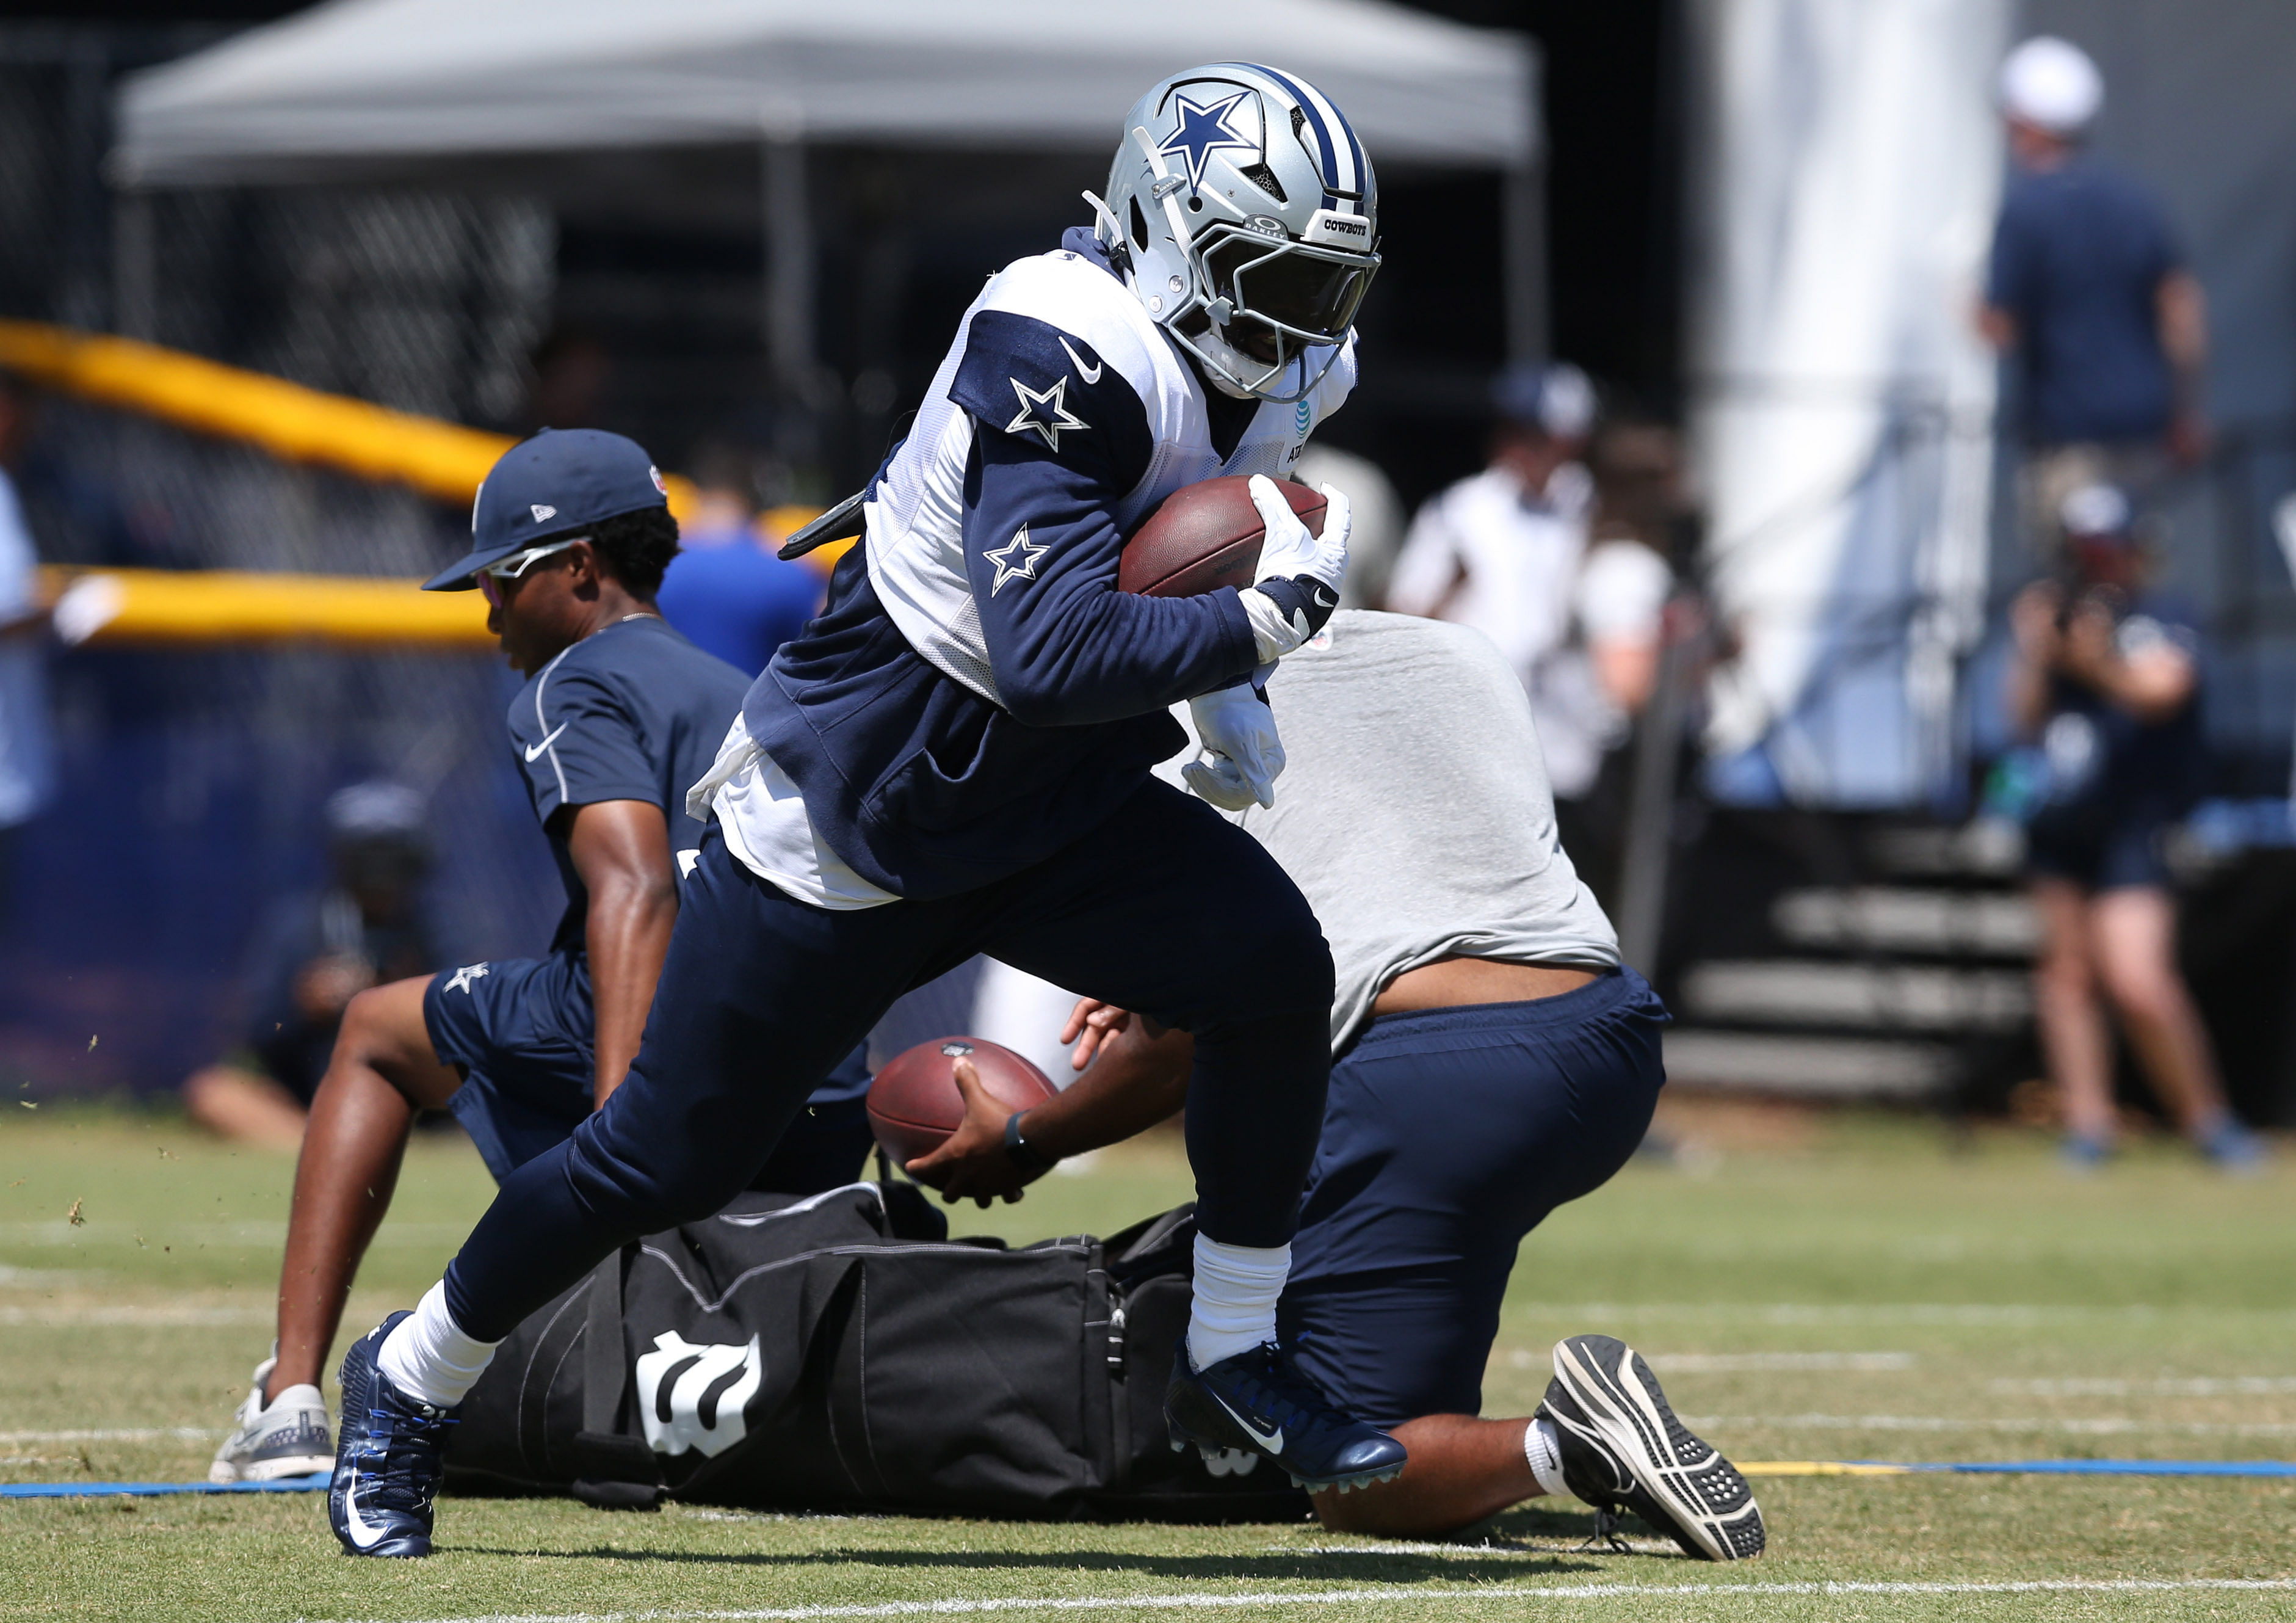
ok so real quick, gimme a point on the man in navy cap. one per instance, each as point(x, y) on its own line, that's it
point(619, 716)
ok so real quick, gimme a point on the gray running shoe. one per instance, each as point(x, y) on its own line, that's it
point(1623, 1449)
point(287, 1437)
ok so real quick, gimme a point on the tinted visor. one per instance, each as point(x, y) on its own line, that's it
point(1311, 293)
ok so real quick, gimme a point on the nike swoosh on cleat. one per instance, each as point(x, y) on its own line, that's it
point(364, 1533)
point(1272, 1441)
point(534, 751)
point(1090, 374)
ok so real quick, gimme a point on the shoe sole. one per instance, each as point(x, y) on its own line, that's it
point(273, 1471)
point(1632, 1419)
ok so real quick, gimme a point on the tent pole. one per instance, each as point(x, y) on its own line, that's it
point(1522, 228)
point(1524, 220)
point(789, 290)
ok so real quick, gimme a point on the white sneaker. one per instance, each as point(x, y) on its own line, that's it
point(290, 1437)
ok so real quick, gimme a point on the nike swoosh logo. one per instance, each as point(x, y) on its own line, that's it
point(364, 1533)
point(534, 751)
point(1272, 1441)
point(1090, 374)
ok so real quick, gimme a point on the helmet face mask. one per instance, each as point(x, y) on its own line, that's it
point(1246, 213)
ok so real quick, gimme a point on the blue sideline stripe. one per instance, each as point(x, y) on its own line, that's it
point(317, 1483)
point(2124, 1468)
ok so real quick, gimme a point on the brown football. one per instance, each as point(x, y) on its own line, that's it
point(914, 1104)
point(1206, 536)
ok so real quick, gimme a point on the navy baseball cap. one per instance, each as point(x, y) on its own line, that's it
point(558, 480)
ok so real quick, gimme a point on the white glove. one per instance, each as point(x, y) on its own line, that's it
point(1242, 757)
point(1298, 583)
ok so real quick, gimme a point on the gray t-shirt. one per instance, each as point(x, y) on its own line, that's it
point(1415, 813)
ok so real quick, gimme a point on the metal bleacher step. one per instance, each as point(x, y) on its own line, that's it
point(1891, 997)
point(1996, 924)
point(1818, 1068)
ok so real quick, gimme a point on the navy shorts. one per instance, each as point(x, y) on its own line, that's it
point(1450, 1135)
point(520, 1031)
point(2121, 853)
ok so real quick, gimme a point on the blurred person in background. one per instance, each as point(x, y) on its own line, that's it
point(725, 590)
point(1375, 531)
point(2088, 294)
point(27, 759)
point(568, 374)
point(2105, 680)
point(316, 952)
point(1512, 553)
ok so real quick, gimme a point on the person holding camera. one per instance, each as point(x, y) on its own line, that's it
point(2106, 683)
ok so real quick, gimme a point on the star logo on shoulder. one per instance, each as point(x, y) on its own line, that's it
point(1043, 410)
point(461, 980)
point(1016, 560)
point(1204, 130)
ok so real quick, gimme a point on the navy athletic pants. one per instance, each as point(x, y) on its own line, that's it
point(1165, 908)
point(1450, 1134)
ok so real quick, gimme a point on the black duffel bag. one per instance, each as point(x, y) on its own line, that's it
point(841, 1352)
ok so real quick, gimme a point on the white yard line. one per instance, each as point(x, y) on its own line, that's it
point(1973, 1315)
point(2109, 1425)
point(126, 1434)
point(1225, 1600)
point(129, 1317)
point(1723, 1363)
point(2217, 1386)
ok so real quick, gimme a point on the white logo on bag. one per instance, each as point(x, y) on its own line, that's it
point(1230, 1462)
point(677, 1425)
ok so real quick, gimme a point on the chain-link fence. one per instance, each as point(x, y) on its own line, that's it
point(190, 783)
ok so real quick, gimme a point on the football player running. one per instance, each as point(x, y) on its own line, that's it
point(955, 758)
point(1495, 1059)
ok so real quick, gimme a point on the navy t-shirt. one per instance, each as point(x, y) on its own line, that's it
point(738, 600)
point(631, 712)
point(2078, 254)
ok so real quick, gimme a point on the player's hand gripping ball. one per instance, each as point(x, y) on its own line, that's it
point(915, 1104)
point(1206, 536)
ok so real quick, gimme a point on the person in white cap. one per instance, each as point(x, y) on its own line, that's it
point(2088, 292)
point(1511, 552)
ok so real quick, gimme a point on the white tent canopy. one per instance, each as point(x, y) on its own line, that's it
point(351, 82)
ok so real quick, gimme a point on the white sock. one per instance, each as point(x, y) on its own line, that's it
point(429, 1357)
point(1544, 1450)
point(1236, 1288)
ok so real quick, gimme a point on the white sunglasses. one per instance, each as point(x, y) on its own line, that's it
point(518, 563)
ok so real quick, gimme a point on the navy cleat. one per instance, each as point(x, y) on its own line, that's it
point(1257, 1404)
point(389, 1459)
point(1623, 1449)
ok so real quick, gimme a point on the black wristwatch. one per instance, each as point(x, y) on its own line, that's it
point(1023, 1154)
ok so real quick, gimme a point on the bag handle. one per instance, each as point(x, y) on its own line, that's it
point(618, 1471)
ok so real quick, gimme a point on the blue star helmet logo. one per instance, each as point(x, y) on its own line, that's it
point(1202, 131)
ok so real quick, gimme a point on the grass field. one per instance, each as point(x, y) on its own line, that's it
point(1849, 1287)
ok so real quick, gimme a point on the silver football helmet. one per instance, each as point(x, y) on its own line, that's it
point(1243, 213)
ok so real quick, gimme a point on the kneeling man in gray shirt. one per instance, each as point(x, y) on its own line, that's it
point(1491, 1059)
